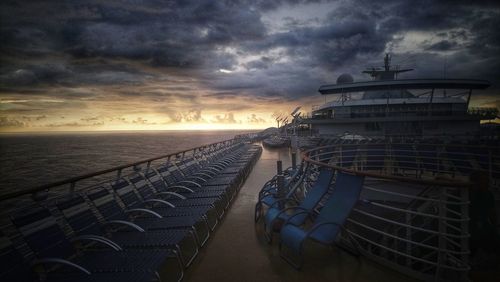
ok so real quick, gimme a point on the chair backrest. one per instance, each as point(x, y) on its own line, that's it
point(166, 171)
point(319, 189)
point(14, 267)
point(155, 179)
point(342, 200)
point(79, 216)
point(176, 173)
point(315, 194)
point(106, 204)
point(126, 192)
point(42, 233)
point(147, 192)
point(296, 180)
point(190, 166)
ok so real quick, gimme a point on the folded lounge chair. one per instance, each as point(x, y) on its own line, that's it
point(311, 200)
point(324, 226)
point(268, 195)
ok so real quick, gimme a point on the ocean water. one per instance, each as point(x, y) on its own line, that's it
point(30, 160)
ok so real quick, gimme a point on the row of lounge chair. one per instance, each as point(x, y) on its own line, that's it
point(318, 214)
point(146, 226)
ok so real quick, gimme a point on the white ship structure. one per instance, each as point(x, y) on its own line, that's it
point(391, 107)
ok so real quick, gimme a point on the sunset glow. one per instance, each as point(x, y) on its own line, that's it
point(210, 65)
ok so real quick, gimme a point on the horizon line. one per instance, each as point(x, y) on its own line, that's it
point(125, 130)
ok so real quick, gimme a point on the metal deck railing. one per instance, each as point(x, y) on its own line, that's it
point(97, 178)
point(413, 214)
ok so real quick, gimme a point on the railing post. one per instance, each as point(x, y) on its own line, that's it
point(408, 238)
point(280, 183)
point(118, 174)
point(136, 168)
point(72, 187)
point(294, 160)
point(464, 210)
point(442, 231)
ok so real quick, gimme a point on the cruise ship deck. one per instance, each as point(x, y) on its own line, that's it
point(400, 212)
point(238, 250)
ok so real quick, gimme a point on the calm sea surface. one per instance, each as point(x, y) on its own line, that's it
point(29, 160)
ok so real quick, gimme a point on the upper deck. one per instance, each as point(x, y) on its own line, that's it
point(374, 85)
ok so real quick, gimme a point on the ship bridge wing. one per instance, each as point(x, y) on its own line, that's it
point(404, 84)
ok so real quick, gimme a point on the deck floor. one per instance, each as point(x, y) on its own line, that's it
point(238, 251)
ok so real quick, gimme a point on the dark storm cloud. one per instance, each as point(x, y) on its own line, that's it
point(131, 43)
point(444, 45)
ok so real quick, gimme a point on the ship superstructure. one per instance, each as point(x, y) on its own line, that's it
point(390, 107)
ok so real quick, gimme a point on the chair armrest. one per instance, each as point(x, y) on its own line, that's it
point(203, 174)
point(126, 223)
point(219, 167)
point(285, 200)
point(269, 183)
point(60, 261)
point(170, 193)
point(167, 203)
point(193, 176)
point(208, 172)
point(141, 210)
point(97, 238)
point(309, 213)
point(317, 226)
point(214, 170)
point(182, 187)
point(266, 193)
point(188, 181)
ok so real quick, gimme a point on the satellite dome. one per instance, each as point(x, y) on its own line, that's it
point(345, 78)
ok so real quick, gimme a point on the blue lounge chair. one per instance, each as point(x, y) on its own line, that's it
point(327, 224)
point(143, 229)
point(289, 174)
point(50, 245)
point(268, 195)
point(155, 200)
point(311, 200)
point(15, 267)
point(153, 197)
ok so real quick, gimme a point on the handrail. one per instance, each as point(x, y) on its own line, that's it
point(426, 237)
point(305, 156)
point(75, 179)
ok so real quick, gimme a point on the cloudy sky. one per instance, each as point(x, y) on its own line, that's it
point(107, 65)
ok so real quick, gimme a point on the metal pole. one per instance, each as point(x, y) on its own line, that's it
point(429, 111)
point(468, 97)
point(72, 187)
point(442, 231)
point(294, 160)
point(280, 183)
point(465, 230)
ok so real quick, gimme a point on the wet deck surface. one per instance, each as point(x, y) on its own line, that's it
point(238, 251)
